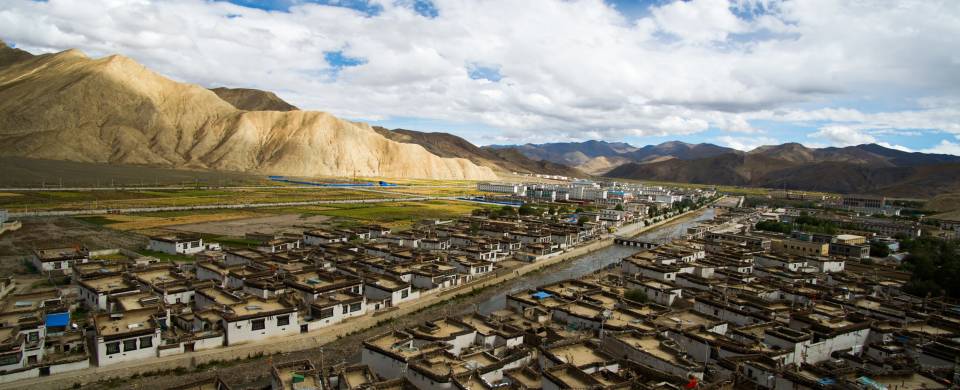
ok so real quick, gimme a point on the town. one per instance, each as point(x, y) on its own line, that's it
point(754, 296)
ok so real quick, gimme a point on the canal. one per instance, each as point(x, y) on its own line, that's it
point(588, 263)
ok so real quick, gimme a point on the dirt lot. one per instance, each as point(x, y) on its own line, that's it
point(293, 223)
point(52, 232)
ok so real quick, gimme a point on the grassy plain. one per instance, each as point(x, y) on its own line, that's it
point(116, 199)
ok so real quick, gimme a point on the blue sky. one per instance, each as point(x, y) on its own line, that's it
point(739, 73)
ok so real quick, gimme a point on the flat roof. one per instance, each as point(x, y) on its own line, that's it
point(132, 321)
point(579, 354)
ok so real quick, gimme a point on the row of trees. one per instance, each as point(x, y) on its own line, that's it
point(934, 264)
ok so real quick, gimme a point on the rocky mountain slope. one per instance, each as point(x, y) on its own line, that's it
point(855, 169)
point(449, 145)
point(570, 153)
point(253, 99)
point(598, 157)
point(67, 106)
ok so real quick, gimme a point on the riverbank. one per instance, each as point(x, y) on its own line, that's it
point(340, 341)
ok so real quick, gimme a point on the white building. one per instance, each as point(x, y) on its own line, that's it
point(59, 260)
point(126, 336)
point(176, 245)
point(503, 188)
point(259, 319)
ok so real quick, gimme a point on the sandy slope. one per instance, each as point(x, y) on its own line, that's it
point(67, 106)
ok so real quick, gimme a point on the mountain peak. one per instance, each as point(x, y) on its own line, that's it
point(115, 110)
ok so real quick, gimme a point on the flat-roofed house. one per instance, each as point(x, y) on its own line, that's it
point(126, 336)
point(385, 288)
point(323, 237)
point(59, 260)
point(176, 244)
point(95, 291)
point(259, 319)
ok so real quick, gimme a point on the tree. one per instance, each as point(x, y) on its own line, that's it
point(934, 264)
point(527, 210)
point(636, 295)
point(878, 249)
point(619, 207)
point(582, 220)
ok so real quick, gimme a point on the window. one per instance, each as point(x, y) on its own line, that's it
point(355, 306)
point(326, 313)
point(113, 348)
point(405, 293)
point(10, 359)
point(258, 324)
point(57, 265)
point(33, 337)
point(146, 342)
point(283, 320)
point(345, 308)
point(129, 345)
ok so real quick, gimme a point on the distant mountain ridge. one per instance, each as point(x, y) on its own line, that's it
point(598, 157)
point(865, 168)
point(500, 160)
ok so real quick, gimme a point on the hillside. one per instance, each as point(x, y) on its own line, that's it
point(67, 106)
point(570, 153)
point(598, 157)
point(798, 169)
point(449, 145)
point(253, 99)
point(677, 149)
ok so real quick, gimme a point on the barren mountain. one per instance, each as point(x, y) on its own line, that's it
point(253, 99)
point(856, 169)
point(67, 106)
point(449, 145)
point(597, 157)
point(602, 164)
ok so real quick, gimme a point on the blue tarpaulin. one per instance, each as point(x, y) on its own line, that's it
point(58, 319)
point(542, 295)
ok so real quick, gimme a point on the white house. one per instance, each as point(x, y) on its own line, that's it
point(259, 319)
point(126, 336)
point(59, 260)
point(185, 245)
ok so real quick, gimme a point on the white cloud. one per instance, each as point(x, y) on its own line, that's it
point(842, 136)
point(567, 67)
point(698, 20)
point(745, 144)
point(945, 147)
point(836, 135)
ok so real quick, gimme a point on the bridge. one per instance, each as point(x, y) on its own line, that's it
point(635, 242)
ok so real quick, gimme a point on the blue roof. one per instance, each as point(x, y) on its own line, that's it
point(58, 319)
point(542, 295)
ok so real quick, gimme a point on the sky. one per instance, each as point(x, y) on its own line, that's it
point(738, 73)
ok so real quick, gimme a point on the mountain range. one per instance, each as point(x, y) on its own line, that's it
point(867, 168)
point(67, 106)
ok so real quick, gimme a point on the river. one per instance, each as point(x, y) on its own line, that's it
point(588, 263)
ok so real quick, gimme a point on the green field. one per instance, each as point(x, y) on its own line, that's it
point(100, 200)
point(395, 214)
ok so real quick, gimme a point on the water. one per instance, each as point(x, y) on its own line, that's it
point(588, 263)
